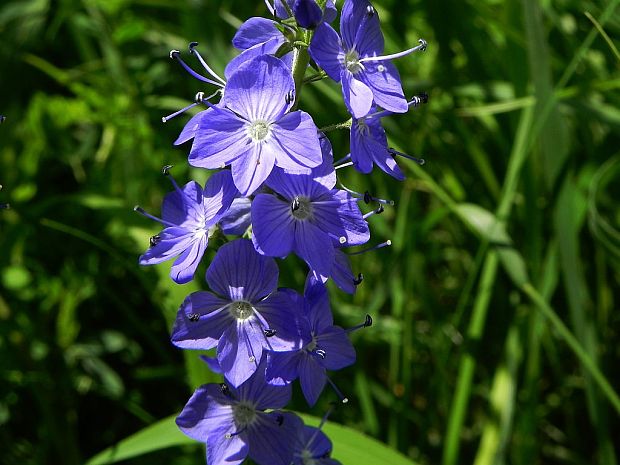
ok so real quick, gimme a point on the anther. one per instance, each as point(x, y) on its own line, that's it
point(199, 97)
point(154, 240)
point(236, 433)
point(342, 398)
point(295, 205)
point(290, 96)
point(368, 197)
point(419, 161)
point(418, 100)
point(423, 45)
point(320, 352)
point(370, 11)
point(269, 332)
point(192, 49)
point(166, 170)
point(4, 206)
point(366, 324)
point(342, 239)
point(378, 246)
point(191, 46)
point(280, 420)
point(173, 54)
point(359, 279)
point(2, 119)
point(225, 389)
point(251, 359)
point(193, 317)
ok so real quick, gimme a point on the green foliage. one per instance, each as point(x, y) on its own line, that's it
point(495, 336)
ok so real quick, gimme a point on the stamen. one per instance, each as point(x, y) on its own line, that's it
point(198, 99)
point(141, 210)
point(421, 47)
point(370, 11)
point(366, 324)
point(344, 165)
point(290, 97)
point(342, 398)
point(236, 433)
point(419, 161)
point(368, 197)
point(378, 211)
point(166, 169)
point(2, 119)
point(295, 204)
point(192, 49)
point(269, 332)
point(342, 159)
point(378, 246)
point(359, 279)
point(320, 352)
point(176, 55)
point(193, 317)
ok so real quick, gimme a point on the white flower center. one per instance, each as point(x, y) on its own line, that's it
point(241, 309)
point(301, 208)
point(259, 130)
point(352, 62)
point(243, 414)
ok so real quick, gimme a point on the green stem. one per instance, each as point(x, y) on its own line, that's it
point(301, 58)
point(574, 344)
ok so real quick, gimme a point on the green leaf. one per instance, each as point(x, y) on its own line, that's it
point(162, 434)
point(350, 446)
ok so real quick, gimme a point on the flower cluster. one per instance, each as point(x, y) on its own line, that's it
point(276, 188)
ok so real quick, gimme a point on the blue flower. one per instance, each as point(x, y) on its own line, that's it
point(307, 216)
point(248, 315)
point(233, 422)
point(313, 447)
point(189, 215)
point(355, 60)
point(298, 7)
point(325, 347)
point(255, 131)
point(237, 219)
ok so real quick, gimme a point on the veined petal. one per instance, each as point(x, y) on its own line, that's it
point(281, 312)
point(314, 246)
point(258, 89)
point(180, 207)
point(225, 450)
point(220, 139)
point(317, 307)
point(342, 274)
point(219, 193)
point(239, 272)
point(184, 267)
point(272, 439)
point(388, 165)
point(295, 141)
point(238, 353)
point(172, 242)
point(262, 395)
point(268, 47)
point(383, 80)
point(357, 95)
point(254, 31)
point(312, 378)
point(273, 225)
point(360, 30)
point(251, 170)
point(282, 367)
point(364, 148)
point(201, 321)
point(326, 49)
point(190, 128)
point(237, 218)
point(206, 412)
point(339, 215)
point(339, 351)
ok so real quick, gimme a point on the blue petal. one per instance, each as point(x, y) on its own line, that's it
point(307, 13)
point(239, 352)
point(239, 272)
point(357, 95)
point(314, 246)
point(184, 267)
point(312, 378)
point(251, 170)
point(272, 440)
point(237, 218)
point(296, 142)
point(338, 349)
point(383, 80)
point(254, 31)
point(326, 49)
point(201, 321)
point(273, 226)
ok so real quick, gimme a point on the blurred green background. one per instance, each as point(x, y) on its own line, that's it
point(496, 323)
